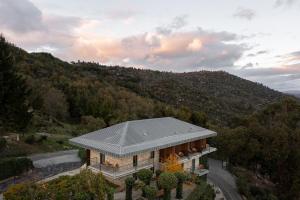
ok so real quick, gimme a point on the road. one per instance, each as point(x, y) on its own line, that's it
point(223, 179)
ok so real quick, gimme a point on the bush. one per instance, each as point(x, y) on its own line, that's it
point(59, 141)
point(42, 138)
point(157, 173)
point(110, 193)
point(14, 166)
point(82, 155)
point(30, 139)
point(167, 181)
point(145, 175)
point(150, 192)
point(202, 191)
point(243, 186)
point(181, 178)
point(129, 182)
point(84, 186)
point(2, 143)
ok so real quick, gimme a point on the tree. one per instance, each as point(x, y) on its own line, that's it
point(181, 178)
point(199, 118)
point(172, 164)
point(145, 175)
point(167, 181)
point(129, 182)
point(150, 192)
point(55, 104)
point(13, 92)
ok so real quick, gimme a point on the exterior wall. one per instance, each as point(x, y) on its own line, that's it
point(189, 163)
point(124, 161)
point(94, 157)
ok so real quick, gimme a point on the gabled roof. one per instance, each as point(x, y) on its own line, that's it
point(136, 136)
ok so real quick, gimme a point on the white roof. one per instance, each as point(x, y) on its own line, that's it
point(136, 136)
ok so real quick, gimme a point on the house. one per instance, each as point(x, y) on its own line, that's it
point(123, 149)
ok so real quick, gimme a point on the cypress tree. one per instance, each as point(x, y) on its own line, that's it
point(14, 113)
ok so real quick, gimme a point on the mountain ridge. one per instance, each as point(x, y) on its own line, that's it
point(220, 95)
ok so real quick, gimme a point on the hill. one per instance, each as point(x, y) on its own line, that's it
point(115, 93)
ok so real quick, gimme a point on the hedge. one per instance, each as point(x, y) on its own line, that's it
point(14, 166)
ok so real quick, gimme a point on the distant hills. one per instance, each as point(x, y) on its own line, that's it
point(295, 93)
point(220, 95)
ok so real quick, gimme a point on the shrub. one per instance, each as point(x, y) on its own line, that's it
point(2, 143)
point(243, 186)
point(157, 173)
point(145, 175)
point(82, 155)
point(129, 182)
point(202, 191)
point(59, 141)
point(181, 178)
point(30, 139)
point(83, 186)
point(14, 166)
point(150, 192)
point(110, 193)
point(42, 138)
point(167, 181)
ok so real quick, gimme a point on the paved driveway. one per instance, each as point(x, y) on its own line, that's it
point(56, 158)
point(223, 179)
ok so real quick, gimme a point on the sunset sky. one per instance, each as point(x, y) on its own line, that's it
point(258, 40)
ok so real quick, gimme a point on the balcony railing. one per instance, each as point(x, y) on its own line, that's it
point(191, 155)
point(116, 171)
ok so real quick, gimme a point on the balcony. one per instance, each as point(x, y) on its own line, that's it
point(197, 154)
point(115, 171)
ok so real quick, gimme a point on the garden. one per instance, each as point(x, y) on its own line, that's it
point(87, 185)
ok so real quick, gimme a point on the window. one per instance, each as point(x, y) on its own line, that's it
point(135, 160)
point(152, 154)
point(102, 158)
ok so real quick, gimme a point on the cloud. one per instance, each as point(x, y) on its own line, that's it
point(258, 53)
point(244, 13)
point(178, 51)
point(279, 3)
point(20, 16)
point(24, 24)
point(178, 22)
point(285, 76)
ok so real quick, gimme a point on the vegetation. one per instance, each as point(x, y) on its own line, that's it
point(14, 166)
point(150, 192)
point(181, 178)
point(167, 181)
point(145, 175)
point(267, 143)
point(202, 191)
point(110, 193)
point(13, 95)
point(79, 97)
point(129, 182)
point(85, 185)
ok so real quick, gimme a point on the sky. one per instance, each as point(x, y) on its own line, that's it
point(256, 40)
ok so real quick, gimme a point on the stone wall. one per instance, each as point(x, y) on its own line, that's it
point(123, 161)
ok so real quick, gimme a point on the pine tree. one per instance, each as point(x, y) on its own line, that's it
point(14, 113)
